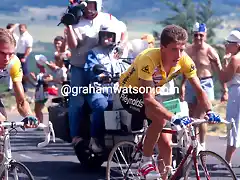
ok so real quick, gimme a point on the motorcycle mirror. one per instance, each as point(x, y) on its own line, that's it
point(98, 69)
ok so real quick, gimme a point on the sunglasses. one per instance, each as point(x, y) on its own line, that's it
point(196, 35)
point(230, 42)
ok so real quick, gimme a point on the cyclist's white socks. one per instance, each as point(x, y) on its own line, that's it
point(203, 145)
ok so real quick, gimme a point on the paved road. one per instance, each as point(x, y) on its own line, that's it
point(57, 161)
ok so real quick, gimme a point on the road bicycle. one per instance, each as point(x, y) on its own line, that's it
point(10, 168)
point(124, 159)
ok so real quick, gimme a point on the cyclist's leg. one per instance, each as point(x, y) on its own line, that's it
point(3, 114)
point(165, 141)
point(165, 149)
point(146, 169)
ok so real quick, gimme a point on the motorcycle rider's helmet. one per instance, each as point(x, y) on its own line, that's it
point(92, 9)
point(110, 34)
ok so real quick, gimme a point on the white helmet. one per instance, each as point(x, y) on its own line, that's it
point(98, 4)
point(111, 29)
point(136, 46)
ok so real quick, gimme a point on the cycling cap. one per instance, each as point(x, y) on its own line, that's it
point(199, 27)
point(234, 36)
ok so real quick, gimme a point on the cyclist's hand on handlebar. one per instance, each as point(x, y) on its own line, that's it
point(30, 122)
point(180, 121)
point(212, 117)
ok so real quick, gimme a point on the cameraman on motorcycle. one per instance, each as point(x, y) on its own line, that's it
point(82, 23)
point(107, 53)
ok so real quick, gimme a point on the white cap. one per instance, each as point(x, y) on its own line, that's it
point(41, 59)
point(234, 36)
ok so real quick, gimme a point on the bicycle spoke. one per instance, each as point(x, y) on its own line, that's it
point(211, 166)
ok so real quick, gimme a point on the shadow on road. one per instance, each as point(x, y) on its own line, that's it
point(48, 170)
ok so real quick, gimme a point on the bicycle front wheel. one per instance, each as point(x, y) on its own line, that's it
point(210, 166)
point(17, 170)
point(121, 158)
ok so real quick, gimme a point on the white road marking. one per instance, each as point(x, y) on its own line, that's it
point(25, 156)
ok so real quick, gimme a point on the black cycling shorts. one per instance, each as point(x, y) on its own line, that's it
point(134, 104)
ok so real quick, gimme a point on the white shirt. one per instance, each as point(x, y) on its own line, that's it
point(87, 33)
point(25, 41)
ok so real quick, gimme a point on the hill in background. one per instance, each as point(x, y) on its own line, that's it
point(141, 16)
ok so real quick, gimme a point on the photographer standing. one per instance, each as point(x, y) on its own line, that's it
point(82, 36)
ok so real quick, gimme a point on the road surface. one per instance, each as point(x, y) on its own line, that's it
point(58, 162)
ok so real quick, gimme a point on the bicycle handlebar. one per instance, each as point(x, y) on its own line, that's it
point(47, 130)
point(231, 124)
point(13, 124)
point(182, 133)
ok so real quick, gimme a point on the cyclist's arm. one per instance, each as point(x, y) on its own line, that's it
point(152, 106)
point(16, 75)
point(22, 104)
point(153, 109)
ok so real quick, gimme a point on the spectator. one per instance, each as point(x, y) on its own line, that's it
point(41, 91)
point(230, 74)
point(81, 38)
point(24, 48)
point(135, 47)
point(150, 39)
point(61, 46)
point(60, 72)
point(207, 61)
point(11, 27)
point(106, 53)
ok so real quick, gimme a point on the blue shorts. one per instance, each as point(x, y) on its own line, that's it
point(207, 85)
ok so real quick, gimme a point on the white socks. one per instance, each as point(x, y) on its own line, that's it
point(203, 145)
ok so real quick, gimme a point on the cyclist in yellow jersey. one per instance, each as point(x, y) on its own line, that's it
point(10, 66)
point(153, 68)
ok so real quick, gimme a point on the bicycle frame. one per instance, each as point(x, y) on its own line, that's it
point(192, 149)
point(5, 140)
point(7, 153)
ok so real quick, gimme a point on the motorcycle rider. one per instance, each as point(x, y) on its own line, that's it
point(82, 37)
point(107, 53)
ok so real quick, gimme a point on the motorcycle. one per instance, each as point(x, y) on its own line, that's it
point(118, 126)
